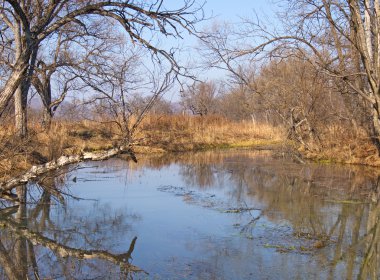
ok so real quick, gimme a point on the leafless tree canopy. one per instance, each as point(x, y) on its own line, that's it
point(200, 98)
point(31, 28)
point(340, 39)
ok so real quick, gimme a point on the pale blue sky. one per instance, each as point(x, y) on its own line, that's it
point(218, 11)
point(232, 11)
point(228, 10)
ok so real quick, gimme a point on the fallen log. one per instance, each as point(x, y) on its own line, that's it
point(38, 170)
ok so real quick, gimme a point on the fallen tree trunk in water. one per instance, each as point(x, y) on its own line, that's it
point(38, 170)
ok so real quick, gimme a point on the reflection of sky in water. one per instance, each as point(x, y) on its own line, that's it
point(181, 238)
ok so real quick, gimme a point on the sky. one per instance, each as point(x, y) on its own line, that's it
point(232, 11)
point(216, 11)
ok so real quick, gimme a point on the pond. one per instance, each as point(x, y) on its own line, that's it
point(212, 215)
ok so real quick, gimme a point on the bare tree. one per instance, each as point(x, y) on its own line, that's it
point(116, 84)
point(340, 38)
point(200, 98)
point(237, 103)
point(31, 23)
point(300, 98)
point(55, 74)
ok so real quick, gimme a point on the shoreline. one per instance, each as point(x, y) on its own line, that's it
point(25, 159)
point(36, 171)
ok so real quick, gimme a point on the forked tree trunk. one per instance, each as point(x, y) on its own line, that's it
point(20, 80)
point(23, 52)
point(21, 99)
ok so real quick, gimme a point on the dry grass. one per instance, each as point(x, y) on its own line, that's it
point(174, 134)
point(179, 133)
point(18, 155)
point(344, 144)
point(156, 134)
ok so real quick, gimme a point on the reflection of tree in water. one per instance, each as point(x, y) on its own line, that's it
point(337, 222)
point(33, 245)
point(335, 207)
point(201, 170)
point(205, 175)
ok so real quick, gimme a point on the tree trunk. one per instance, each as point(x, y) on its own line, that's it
point(17, 76)
point(46, 101)
point(375, 133)
point(8, 264)
point(20, 244)
point(23, 51)
point(21, 100)
point(47, 118)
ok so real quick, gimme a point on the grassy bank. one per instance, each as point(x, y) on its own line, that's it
point(160, 134)
point(157, 134)
point(185, 133)
point(343, 144)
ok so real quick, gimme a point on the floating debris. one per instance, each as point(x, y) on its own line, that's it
point(205, 200)
point(241, 209)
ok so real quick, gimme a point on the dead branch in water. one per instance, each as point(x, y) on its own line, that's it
point(38, 170)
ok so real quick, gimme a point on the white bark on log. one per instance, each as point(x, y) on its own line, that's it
point(38, 170)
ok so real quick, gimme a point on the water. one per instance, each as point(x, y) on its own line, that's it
point(213, 215)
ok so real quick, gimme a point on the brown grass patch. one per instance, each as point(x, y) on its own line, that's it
point(346, 145)
point(178, 133)
point(158, 134)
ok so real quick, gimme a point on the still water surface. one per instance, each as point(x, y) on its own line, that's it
point(213, 215)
